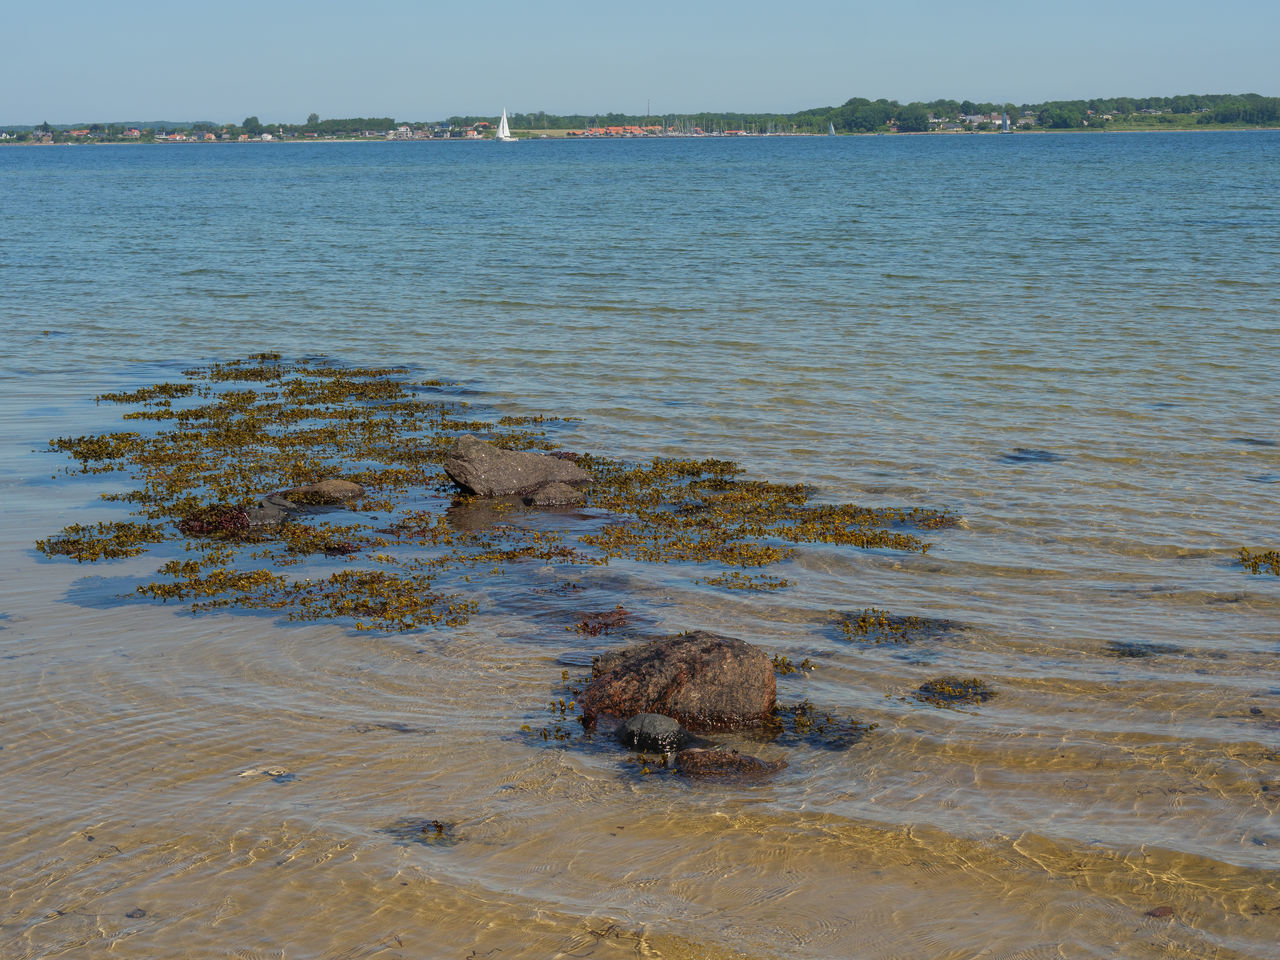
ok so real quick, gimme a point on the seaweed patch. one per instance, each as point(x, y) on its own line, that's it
point(954, 691)
point(1263, 561)
point(803, 723)
point(317, 491)
point(872, 625)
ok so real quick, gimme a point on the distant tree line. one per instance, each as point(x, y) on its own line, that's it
point(859, 115)
point(856, 115)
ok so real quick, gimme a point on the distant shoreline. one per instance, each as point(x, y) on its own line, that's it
point(560, 136)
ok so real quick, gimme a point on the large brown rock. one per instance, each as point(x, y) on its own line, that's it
point(487, 470)
point(703, 680)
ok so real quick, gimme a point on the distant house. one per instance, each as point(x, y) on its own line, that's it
point(78, 133)
point(133, 133)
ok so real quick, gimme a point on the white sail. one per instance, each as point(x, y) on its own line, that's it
point(504, 131)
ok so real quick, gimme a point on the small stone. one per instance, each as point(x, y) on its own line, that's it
point(652, 733)
point(1159, 912)
point(137, 913)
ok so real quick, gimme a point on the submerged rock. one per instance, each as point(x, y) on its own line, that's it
point(653, 733)
point(702, 680)
point(555, 495)
point(331, 491)
point(486, 470)
point(725, 765)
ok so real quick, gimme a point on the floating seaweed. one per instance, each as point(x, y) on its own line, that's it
point(952, 691)
point(423, 832)
point(87, 543)
point(782, 665)
point(803, 723)
point(594, 624)
point(1263, 561)
point(871, 625)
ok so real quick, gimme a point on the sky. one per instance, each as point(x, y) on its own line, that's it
point(71, 61)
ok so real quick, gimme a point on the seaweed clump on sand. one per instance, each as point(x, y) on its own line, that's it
point(1264, 561)
point(954, 691)
point(875, 626)
point(238, 462)
point(804, 723)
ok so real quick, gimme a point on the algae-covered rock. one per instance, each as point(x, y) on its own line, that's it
point(702, 680)
point(725, 765)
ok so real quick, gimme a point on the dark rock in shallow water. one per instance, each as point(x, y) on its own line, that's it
point(702, 680)
point(486, 470)
point(270, 510)
point(725, 765)
point(1032, 455)
point(1128, 649)
point(653, 733)
point(555, 495)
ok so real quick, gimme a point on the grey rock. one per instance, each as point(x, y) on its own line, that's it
point(653, 733)
point(486, 470)
point(270, 510)
point(702, 680)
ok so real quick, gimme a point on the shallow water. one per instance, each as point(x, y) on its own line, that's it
point(1067, 340)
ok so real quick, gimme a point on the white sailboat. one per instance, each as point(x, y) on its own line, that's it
point(504, 131)
point(831, 129)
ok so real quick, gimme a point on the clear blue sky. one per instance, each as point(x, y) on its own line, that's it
point(68, 61)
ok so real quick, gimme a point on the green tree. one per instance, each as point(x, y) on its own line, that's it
point(1061, 118)
point(313, 119)
point(913, 118)
point(252, 126)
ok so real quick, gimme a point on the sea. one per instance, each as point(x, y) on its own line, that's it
point(1071, 342)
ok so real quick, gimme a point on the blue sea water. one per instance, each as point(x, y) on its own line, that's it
point(1068, 340)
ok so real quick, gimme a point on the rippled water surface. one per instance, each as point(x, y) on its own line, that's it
point(1070, 341)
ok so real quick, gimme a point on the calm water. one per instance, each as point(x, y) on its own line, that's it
point(1070, 341)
